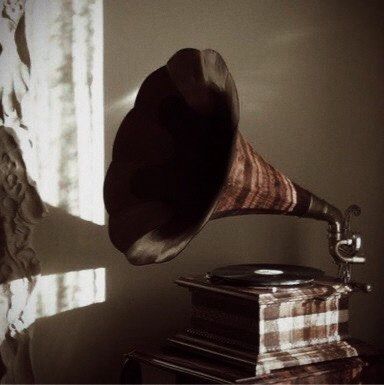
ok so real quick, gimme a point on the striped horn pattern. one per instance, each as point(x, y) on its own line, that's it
point(254, 186)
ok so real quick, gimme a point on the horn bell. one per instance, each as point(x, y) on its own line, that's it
point(179, 161)
point(171, 156)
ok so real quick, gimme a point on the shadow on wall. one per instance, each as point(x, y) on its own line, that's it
point(91, 340)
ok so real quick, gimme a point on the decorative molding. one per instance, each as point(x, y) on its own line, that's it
point(20, 204)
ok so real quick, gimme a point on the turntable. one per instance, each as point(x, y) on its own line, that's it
point(180, 161)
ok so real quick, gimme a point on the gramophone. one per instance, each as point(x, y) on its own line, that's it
point(180, 161)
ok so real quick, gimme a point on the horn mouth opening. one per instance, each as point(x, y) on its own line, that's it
point(183, 125)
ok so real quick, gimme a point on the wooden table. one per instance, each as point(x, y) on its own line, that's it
point(193, 369)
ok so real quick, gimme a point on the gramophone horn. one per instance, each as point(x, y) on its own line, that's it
point(179, 161)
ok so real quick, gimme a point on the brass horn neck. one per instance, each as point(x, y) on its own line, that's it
point(344, 244)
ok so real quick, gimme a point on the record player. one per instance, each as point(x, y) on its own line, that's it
point(267, 328)
point(180, 161)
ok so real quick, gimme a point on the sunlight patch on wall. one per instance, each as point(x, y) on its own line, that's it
point(124, 104)
point(128, 100)
point(64, 108)
point(57, 293)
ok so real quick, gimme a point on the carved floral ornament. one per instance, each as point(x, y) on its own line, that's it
point(13, 81)
point(20, 203)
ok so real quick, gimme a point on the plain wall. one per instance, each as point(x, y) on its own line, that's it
point(310, 80)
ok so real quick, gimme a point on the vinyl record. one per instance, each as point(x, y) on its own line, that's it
point(265, 274)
